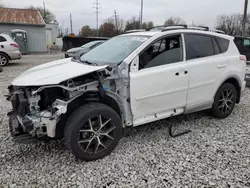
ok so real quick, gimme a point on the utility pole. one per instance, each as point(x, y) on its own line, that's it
point(44, 12)
point(97, 11)
point(244, 19)
point(71, 27)
point(141, 12)
point(116, 20)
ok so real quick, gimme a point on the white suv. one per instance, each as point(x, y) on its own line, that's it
point(130, 80)
point(9, 50)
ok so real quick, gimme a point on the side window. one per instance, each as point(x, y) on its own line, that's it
point(165, 51)
point(2, 39)
point(246, 42)
point(216, 47)
point(198, 46)
point(223, 44)
point(238, 41)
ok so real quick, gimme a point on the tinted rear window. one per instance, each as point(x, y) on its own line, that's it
point(2, 39)
point(198, 46)
point(216, 47)
point(223, 44)
point(238, 41)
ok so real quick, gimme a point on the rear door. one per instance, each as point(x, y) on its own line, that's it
point(206, 66)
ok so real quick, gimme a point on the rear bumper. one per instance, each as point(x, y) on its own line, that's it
point(15, 55)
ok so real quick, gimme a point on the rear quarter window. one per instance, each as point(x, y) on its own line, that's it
point(238, 41)
point(2, 39)
point(223, 44)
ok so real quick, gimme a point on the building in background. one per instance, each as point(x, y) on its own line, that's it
point(28, 26)
point(52, 32)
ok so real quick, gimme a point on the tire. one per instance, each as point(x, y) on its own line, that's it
point(84, 136)
point(224, 101)
point(4, 60)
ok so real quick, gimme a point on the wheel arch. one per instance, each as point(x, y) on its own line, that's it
point(91, 97)
point(237, 84)
point(4, 53)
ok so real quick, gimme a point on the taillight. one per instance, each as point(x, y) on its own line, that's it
point(243, 58)
point(15, 45)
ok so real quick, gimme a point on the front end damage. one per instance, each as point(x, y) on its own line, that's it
point(37, 110)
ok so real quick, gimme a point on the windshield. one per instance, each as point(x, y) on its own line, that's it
point(114, 50)
point(90, 44)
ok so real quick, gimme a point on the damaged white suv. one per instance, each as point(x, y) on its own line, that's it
point(130, 80)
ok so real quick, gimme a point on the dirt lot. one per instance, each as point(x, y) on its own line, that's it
point(215, 154)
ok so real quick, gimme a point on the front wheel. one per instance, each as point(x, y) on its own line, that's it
point(93, 131)
point(224, 101)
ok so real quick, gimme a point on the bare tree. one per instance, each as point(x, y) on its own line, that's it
point(2, 5)
point(47, 15)
point(230, 24)
point(133, 23)
point(174, 21)
point(147, 25)
point(108, 28)
point(86, 31)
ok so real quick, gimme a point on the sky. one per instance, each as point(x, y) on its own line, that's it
point(197, 11)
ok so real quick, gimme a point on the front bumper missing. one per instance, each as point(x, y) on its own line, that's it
point(37, 125)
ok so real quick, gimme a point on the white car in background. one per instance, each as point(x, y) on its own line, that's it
point(130, 80)
point(9, 50)
point(78, 52)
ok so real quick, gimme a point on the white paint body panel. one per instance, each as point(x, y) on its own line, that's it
point(54, 73)
point(204, 78)
point(158, 89)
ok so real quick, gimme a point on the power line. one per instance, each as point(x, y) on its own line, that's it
point(97, 8)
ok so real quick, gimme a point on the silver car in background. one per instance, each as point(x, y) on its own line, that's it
point(9, 50)
point(77, 52)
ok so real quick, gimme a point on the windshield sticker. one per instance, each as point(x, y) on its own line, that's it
point(141, 39)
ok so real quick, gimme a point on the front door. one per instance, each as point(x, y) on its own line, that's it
point(159, 88)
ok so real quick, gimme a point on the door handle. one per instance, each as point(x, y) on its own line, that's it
point(185, 72)
point(177, 74)
point(222, 66)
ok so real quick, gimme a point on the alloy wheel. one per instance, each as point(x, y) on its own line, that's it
point(3, 60)
point(226, 101)
point(96, 135)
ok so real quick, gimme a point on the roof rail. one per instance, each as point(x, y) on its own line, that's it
point(173, 27)
point(218, 31)
point(135, 30)
point(199, 27)
point(162, 27)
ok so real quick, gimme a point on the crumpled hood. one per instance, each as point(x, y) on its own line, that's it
point(54, 73)
point(72, 50)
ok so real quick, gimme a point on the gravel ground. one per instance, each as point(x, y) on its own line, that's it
point(215, 154)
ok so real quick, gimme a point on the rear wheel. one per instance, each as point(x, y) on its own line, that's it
point(4, 60)
point(224, 101)
point(93, 131)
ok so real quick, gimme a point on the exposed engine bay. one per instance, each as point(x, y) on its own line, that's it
point(37, 110)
